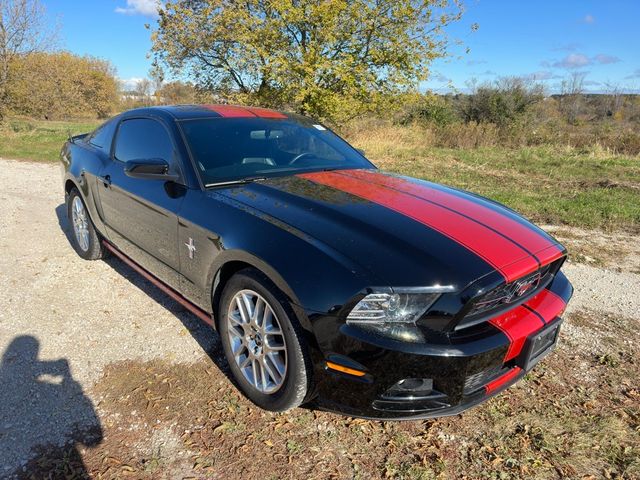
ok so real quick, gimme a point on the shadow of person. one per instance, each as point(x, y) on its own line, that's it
point(43, 413)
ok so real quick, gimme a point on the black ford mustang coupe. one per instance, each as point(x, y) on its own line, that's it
point(330, 282)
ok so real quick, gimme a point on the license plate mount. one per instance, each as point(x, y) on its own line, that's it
point(539, 345)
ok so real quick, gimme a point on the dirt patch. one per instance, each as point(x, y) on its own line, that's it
point(554, 424)
point(617, 251)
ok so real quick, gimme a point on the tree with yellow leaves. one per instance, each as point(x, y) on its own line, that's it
point(332, 59)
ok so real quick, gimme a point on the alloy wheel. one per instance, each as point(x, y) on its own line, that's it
point(80, 222)
point(257, 341)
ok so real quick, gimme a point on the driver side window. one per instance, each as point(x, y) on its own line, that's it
point(143, 138)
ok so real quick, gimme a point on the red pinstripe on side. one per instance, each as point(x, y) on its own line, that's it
point(547, 304)
point(519, 233)
point(517, 325)
point(502, 254)
point(500, 381)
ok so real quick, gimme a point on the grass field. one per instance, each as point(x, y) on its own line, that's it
point(588, 188)
point(38, 140)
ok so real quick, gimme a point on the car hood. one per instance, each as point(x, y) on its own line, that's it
point(403, 232)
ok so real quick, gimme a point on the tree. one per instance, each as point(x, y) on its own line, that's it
point(23, 30)
point(571, 97)
point(501, 102)
point(61, 85)
point(179, 92)
point(328, 58)
point(143, 91)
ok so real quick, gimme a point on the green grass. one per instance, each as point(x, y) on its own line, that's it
point(38, 139)
point(549, 184)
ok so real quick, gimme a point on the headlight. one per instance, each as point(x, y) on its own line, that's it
point(394, 308)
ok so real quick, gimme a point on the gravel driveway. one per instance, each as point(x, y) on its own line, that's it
point(63, 319)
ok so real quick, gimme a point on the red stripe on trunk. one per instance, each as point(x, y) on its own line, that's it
point(547, 304)
point(502, 254)
point(504, 379)
point(517, 325)
point(524, 236)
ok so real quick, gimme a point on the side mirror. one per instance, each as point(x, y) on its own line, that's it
point(149, 168)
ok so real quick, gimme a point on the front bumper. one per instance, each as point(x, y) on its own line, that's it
point(405, 380)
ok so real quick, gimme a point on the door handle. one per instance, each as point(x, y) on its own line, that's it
point(106, 180)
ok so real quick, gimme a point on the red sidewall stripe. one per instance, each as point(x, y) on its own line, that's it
point(499, 252)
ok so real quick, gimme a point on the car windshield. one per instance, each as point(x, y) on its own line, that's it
point(237, 149)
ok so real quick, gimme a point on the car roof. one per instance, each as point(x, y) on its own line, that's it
point(184, 112)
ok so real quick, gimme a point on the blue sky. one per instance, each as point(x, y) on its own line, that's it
point(546, 40)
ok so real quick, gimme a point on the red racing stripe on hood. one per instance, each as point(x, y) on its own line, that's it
point(545, 250)
point(502, 254)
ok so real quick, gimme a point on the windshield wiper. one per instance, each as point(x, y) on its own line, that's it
point(240, 181)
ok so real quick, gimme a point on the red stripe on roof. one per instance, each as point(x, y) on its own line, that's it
point(499, 252)
point(244, 112)
point(502, 380)
point(266, 112)
point(230, 110)
point(547, 304)
point(517, 325)
point(524, 236)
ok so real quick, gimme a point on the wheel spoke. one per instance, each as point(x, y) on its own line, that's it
point(242, 309)
point(245, 363)
point(256, 318)
point(275, 375)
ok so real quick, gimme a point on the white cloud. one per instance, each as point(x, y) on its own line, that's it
point(589, 19)
point(606, 59)
point(541, 75)
point(143, 7)
point(130, 83)
point(573, 60)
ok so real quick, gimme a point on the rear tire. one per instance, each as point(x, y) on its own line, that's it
point(84, 237)
point(263, 342)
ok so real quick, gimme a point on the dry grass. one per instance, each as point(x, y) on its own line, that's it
point(549, 184)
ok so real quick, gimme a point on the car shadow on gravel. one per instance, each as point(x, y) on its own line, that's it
point(206, 336)
point(44, 414)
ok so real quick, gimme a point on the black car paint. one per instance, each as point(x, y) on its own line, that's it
point(323, 248)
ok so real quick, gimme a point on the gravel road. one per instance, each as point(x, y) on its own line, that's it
point(62, 319)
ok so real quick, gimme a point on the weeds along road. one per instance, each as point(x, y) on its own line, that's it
point(79, 340)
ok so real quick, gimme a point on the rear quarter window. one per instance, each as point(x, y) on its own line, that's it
point(102, 137)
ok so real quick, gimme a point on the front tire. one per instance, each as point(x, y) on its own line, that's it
point(263, 343)
point(84, 237)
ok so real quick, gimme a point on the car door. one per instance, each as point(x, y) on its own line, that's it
point(141, 214)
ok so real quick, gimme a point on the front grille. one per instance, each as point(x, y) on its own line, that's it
point(511, 292)
point(478, 380)
point(507, 296)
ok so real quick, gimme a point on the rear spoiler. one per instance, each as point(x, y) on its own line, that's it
point(74, 138)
